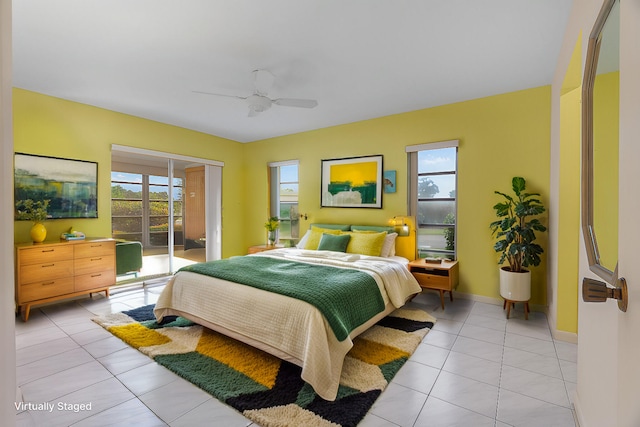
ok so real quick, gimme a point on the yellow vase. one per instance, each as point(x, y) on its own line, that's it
point(38, 232)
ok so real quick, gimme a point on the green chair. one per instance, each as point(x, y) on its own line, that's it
point(128, 257)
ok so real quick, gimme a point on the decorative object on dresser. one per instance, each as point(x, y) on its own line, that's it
point(441, 276)
point(53, 271)
point(515, 230)
point(35, 211)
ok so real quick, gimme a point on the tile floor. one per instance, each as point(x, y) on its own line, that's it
point(475, 368)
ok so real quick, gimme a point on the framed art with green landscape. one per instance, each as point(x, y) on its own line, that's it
point(70, 186)
point(353, 182)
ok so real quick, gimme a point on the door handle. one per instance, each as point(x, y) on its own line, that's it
point(597, 291)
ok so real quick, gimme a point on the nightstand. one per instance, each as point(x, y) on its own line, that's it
point(262, 248)
point(442, 277)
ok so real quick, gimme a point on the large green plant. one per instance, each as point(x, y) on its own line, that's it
point(515, 230)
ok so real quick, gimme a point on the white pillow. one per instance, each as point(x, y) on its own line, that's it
point(389, 245)
point(302, 242)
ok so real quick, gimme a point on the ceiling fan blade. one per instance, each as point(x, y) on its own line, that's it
point(293, 102)
point(220, 94)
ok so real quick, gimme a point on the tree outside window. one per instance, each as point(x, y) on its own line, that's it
point(436, 214)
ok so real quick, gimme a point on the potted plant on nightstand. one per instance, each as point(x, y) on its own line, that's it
point(34, 211)
point(272, 226)
point(516, 233)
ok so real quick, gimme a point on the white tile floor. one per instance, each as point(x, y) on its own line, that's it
point(475, 368)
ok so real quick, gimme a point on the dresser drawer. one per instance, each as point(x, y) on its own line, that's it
point(433, 281)
point(46, 254)
point(45, 289)
point(94, 264)
point(92, 249)
point(100, 279)
point(45, 271)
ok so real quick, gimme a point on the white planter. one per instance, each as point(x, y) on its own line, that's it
point(515, 286)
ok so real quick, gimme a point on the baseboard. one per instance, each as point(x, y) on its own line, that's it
point(479, 298)
point(577, 413)
point(497, 301)
point(570, 337)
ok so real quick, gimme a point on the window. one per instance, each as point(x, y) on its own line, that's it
point(284, 198)
point(140, 207)
point(433, 169)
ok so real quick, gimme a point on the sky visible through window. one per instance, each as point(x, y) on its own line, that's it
point(289, 174)
point(439, 160)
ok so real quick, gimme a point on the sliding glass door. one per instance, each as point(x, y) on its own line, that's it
point(172, 206)
point(140, 208)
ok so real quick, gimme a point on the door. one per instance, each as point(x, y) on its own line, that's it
point(608, 391)
point(149, 198)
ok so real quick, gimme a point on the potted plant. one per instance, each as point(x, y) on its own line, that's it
point(272, 226)
point(516, 233)
point(34, 211)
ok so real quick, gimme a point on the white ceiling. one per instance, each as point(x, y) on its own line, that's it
point(360, 59)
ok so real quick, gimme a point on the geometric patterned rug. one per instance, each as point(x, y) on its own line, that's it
point(265, 389)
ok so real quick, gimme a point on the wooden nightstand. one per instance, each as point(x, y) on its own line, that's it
point(441, 277)
point(262, 248)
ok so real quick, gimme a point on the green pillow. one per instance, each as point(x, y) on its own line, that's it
point(332, 242)
point(316, 234)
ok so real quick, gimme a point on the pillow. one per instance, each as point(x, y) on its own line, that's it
point(316, 234)
point(389, 245)
point(366, 243)
point(334, 242)
point(302, 242)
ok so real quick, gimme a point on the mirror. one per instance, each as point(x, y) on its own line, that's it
point(600, 132)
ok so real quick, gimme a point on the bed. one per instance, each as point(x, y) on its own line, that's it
point(298, 328)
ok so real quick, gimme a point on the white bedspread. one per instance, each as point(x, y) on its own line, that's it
point(289, 328)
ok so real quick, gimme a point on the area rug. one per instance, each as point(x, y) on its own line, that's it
point(263, 388)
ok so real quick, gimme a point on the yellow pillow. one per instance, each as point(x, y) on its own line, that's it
point(316, 234)
point(366, 243)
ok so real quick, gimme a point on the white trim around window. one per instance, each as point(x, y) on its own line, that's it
point(432, 146)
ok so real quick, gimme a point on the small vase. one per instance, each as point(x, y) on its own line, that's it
point(38, 232)
point(271, 237)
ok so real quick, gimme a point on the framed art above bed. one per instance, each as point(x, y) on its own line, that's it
point(353, 182)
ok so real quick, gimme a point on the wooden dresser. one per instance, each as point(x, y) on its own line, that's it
point(52, 271)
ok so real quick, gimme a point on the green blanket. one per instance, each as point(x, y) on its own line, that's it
point(346, 298)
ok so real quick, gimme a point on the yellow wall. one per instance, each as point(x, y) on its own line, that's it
point(500, 137)
point(54, 127)
point(568, 234)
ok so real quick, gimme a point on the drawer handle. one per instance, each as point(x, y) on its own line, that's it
point(47, 265)
point(96, 275)
point(96, 246)
point(96, 259)
point(48, 250)
point(48, 283)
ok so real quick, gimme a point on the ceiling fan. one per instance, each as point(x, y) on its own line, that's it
point(259, 101)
